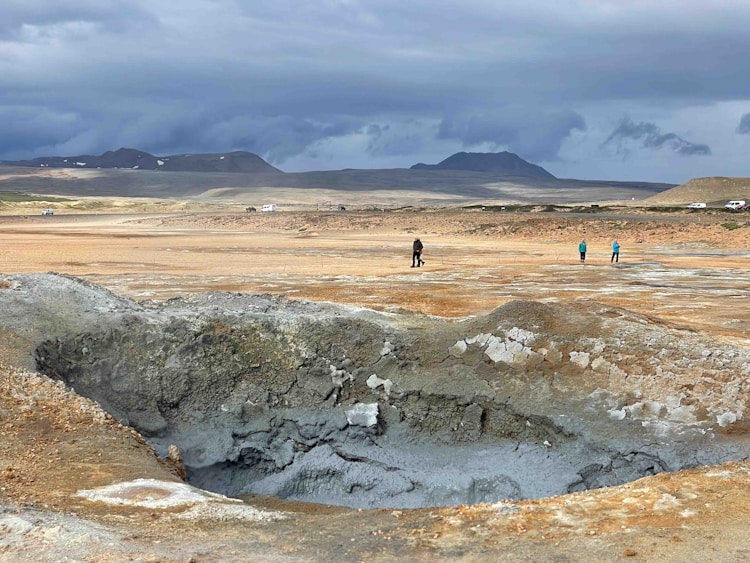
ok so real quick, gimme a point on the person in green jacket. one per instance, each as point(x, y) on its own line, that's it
point(582, 250)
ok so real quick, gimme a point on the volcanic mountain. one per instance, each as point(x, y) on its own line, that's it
point(237, 161)
point(504, 163)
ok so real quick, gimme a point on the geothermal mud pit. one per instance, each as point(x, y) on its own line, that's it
point(343, 405)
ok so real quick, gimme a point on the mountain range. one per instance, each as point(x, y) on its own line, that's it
point(237, 161)
point(501, 164)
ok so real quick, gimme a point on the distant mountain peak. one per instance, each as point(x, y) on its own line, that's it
point(234, 161)
point(504, 163)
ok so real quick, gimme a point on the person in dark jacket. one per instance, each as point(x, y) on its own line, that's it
point(416, 255)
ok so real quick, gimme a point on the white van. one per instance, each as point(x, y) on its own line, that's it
point(697, 205)
point(735, 204)
point(268, 207)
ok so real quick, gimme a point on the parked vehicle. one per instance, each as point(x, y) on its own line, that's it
point(697, 205)
point(48, 211)
point(268, 207)
point(735, 204)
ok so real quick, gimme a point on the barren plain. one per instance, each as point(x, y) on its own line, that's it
point(682, 271)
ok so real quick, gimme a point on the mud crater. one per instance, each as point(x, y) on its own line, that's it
point(339, 405)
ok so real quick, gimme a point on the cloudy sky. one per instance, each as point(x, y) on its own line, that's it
point(593, 89)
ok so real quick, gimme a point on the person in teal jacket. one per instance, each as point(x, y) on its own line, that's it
point(582, 250)
point(615, 252)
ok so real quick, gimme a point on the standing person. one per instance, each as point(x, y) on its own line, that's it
point(416, 255)
point(615, 251)
point(582, 250)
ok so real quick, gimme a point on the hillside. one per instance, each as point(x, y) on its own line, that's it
point(237, 161)
point(435, 186)
point(715, 190)
point(504, 163)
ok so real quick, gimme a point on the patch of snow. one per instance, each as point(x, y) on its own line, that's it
point(136, 167)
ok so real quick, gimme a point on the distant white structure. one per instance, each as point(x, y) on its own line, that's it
point(697, 205)
point(48, 211)
point(268, 207)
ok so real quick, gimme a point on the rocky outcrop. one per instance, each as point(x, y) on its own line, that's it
point(342, 405)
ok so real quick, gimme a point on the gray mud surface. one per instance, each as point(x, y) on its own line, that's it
point(342, 405)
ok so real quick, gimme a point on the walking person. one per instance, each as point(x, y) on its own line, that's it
point(582, 250)
point(615, 252)
point(416, 255)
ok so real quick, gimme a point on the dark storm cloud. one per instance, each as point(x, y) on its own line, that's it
point(650, 136)
point(26, 128)
point(534, 134)
point(284, 77)
point(405, 139)
point(744, 127)
point(277, 137)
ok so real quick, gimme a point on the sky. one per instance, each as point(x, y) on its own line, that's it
point(613, 90)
